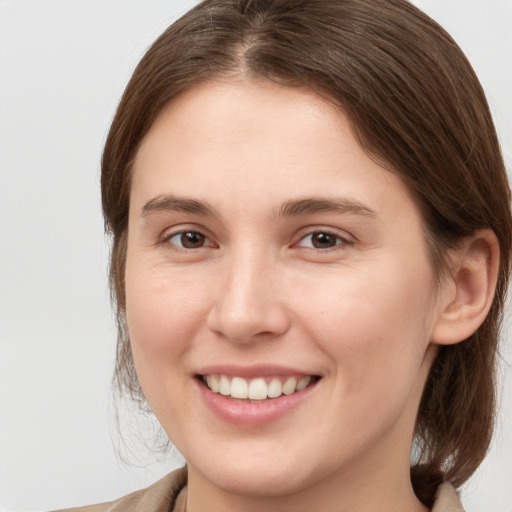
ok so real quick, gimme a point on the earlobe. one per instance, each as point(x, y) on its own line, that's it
point(467, 292)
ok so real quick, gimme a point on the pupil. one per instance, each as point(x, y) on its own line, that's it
point(323, 240)
point(192, 240)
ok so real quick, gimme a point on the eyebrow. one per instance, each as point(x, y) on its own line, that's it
point(291, 208)
point(337, 205)
point(169, 202)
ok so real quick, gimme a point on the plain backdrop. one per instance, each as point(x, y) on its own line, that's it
point(63, 66)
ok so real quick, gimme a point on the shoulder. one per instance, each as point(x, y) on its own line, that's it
point(159, 497)
point(447, 500)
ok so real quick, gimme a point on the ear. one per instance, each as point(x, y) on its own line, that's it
point(467, 292)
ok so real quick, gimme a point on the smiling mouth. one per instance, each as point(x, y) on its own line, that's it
point(258, 389)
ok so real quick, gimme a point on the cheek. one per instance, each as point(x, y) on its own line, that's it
point(163, 316)
point(375, 327)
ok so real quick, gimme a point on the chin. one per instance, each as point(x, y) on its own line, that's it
point(262, 471)
point(259, 482)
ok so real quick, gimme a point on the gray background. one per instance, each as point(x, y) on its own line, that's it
point(63, 66)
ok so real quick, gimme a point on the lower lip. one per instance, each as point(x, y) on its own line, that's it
point(252, 414)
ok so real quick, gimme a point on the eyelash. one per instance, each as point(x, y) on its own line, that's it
point(183, 232)
point(341, 242)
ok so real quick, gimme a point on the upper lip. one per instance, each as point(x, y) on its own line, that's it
point(252, 371)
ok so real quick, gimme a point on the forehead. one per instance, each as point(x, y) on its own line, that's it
point(256, 142)
point(218, 114)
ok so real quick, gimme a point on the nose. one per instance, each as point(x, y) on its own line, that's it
point(248, 303)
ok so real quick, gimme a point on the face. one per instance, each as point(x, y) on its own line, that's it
point(280, 300)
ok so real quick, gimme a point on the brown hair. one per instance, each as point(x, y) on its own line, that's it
point(415, 104)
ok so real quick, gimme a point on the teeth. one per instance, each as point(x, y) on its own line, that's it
point(213, 384)
point(255, 389)
point(304, 382)
point(239, 388)
point(275, 388)
point(290, 386)
point(224, 386)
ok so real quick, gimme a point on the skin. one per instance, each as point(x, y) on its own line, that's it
point(362, 314)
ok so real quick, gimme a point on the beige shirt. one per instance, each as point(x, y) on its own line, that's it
point(169, 495)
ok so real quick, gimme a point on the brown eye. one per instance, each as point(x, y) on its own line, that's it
point(322, 240)
point(188, 239)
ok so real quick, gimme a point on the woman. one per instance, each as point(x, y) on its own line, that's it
point(311, 248)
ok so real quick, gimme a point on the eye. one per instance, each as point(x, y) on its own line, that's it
point(322, 240)
point(189, 240)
